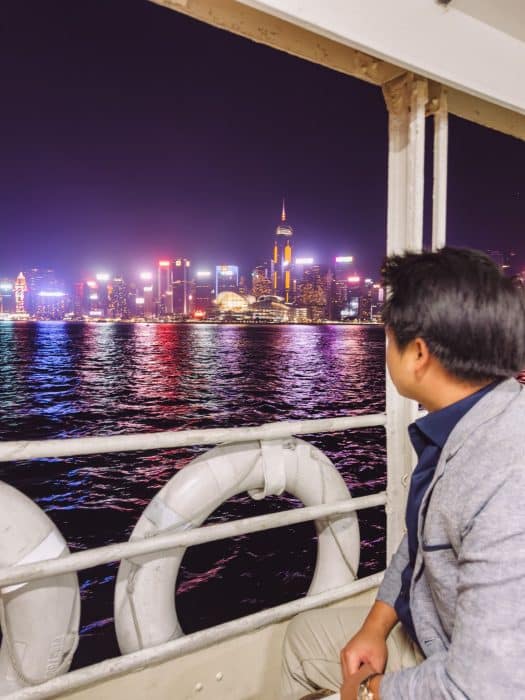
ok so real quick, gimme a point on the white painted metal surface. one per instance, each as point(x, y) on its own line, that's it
point(283, 25)
point(68, 447)
point(439, 192)
point(477, 46)
point(406, 99)
point(113, 668)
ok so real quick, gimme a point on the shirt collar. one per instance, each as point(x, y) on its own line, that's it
point(435, 427)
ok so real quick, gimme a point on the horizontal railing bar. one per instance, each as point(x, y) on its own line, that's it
point(112, 668)
point(209, 533)
point(69, 447)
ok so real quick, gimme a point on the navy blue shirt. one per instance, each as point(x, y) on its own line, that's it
point(428, 436)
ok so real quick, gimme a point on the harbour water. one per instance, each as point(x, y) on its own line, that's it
point(64, 380)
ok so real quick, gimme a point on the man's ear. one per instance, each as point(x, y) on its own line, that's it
point(422, 357)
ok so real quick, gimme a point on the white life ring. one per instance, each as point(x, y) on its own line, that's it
point(39, 619)
point(145, 612)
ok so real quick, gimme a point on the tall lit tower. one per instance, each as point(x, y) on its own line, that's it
point(226, 279)
point(20, 292)
point(164, 288)
point(147, 293)
point(181, 286)
point(282, 258)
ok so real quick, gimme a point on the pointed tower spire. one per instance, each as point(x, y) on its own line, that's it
point(283, 213)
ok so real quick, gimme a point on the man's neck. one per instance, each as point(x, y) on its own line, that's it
point(446, 392)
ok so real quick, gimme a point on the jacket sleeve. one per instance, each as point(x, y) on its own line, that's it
point(391, 585)
point(485, 657)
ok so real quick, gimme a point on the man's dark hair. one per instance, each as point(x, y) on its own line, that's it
point(470, 315)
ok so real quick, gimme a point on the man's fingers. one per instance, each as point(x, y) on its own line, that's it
point(350, 662)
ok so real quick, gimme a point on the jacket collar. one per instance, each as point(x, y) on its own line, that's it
point(488, 407)
point(437, 426)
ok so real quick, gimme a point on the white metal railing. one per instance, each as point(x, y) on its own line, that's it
point(161, 543)
point(40, 449)
point(70, 447)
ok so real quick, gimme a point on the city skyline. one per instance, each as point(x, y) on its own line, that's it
point(287, 285)
point(281, 251)
point(142, 148)
point(283, 288)
point(282, 231)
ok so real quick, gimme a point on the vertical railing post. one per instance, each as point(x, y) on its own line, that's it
point(406, 99)
point(438, 106)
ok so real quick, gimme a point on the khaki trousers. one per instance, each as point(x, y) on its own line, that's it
point(313, 644)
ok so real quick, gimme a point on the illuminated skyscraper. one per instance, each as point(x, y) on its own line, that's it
point(118, 298)
point(344, 267)
point(282, 259)
point(226, 279)
point(261, 282)
point(146, 287)
point(7, 296)
point(148, 301)
point(203, 293)
point(20, 293)
point(79, 306)
point(338, 291)
point(312, 291)
point(181, 286)
point(164, 289)
point(103, 289)
point(41, 281)
point(51, 304)
point(46, 297)
point(91, 301)
point(300, 265)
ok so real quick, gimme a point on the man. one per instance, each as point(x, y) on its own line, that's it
point(449, 618)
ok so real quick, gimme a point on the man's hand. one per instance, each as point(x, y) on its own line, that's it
point(368, 646)
point(351, 684)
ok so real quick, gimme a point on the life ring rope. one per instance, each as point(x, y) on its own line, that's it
point(274, 469)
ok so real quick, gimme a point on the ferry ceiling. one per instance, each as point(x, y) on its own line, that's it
point(475, 48)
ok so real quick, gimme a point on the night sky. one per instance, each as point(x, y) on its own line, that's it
point(131, 132)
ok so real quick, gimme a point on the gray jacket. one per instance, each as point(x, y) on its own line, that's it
point(468, 590)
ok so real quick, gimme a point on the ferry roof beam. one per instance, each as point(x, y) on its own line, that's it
point(378, 41)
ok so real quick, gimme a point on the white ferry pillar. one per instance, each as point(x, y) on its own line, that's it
point(406, 99)
point(439, 108)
